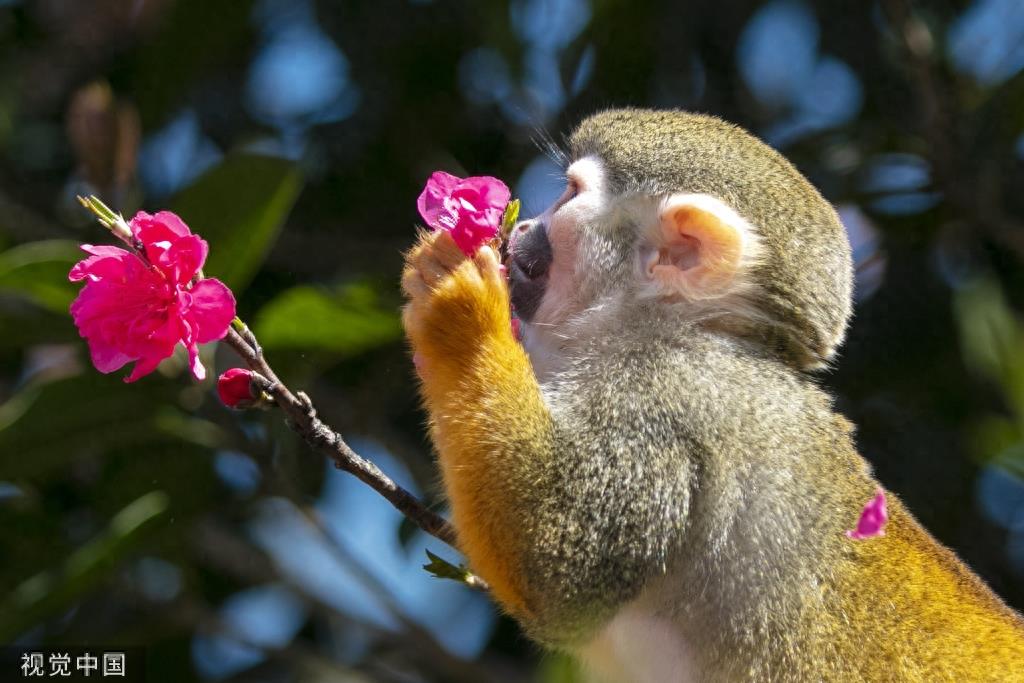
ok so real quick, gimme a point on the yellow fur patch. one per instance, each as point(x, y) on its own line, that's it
point(954, 626)
point(485, 407)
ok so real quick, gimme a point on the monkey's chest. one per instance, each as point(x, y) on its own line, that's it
point(638, 647)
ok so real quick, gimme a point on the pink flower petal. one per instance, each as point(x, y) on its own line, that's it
point(159, 227)
point(130, 311)
point(172, 222)
point(169, 244)
point(103, 262)
point(196, 365)
point(143, 367)
point(492, 193)
point(212, 310)
point(106, 358)
point(183, 258)
point(431, 202)
point(873, 519)
point(470, 209)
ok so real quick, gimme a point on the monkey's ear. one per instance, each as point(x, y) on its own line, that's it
point(700, 247)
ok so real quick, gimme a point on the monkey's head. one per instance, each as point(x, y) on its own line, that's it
point(679, 217)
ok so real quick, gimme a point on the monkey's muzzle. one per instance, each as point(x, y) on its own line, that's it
point(529, 261)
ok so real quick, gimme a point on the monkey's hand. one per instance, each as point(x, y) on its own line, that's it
point(489, 423)
point(458, 305)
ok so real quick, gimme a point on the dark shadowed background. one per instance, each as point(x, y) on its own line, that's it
point(295, 135)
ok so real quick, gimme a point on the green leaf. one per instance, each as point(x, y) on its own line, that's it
point(239, 207)
point(560, 668)
point(49, 591)
point(346, 322)
point(39, 272)
point(443, 569)
point(992, 435)
point(42, 427)
point(509, 218)
point(992, 338)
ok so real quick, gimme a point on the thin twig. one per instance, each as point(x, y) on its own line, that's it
point(302, 418)
point(297, 406)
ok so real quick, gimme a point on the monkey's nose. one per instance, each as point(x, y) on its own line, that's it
point(519, 228)
point(530, 249)
point(528, 266)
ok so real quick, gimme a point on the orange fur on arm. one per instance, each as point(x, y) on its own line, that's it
point(489, 423)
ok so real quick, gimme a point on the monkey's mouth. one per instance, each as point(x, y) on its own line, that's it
point(528, 264)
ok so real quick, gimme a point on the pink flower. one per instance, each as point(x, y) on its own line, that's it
point(470, 209)
point(872, 519)
point(134, 310)
point(235, 388)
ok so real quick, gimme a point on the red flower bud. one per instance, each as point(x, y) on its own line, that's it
point(235, 388)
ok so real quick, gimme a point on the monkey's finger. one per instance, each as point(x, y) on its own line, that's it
point(412, 283)
point(423, 240)
point(446, 251)
point(424, 258)
point(412, 321)
point(467, 277)
point(489, 265)
point(431, 270)
point(439, 257)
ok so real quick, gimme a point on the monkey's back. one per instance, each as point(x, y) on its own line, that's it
point(758, 577)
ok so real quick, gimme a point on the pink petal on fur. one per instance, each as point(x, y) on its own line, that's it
point(872, 519)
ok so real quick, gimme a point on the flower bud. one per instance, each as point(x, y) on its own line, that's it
point(235, 388)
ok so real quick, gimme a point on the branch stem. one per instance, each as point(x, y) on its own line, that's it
point(303, 419)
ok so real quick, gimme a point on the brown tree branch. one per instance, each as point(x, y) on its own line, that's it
point(303, 419)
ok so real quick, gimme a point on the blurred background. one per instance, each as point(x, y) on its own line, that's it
point(295, 135)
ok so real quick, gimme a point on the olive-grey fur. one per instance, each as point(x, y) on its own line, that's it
point(806, 277)
point(679, 462)
point(684, 461)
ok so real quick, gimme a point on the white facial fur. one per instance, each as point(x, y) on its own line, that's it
point(716, 284)
point(561, 301)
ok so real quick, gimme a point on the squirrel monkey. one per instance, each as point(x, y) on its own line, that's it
point(653, 480)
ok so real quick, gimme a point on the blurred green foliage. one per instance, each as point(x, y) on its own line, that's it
point(344, 322)
point(992, 337)
point(241, 203)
